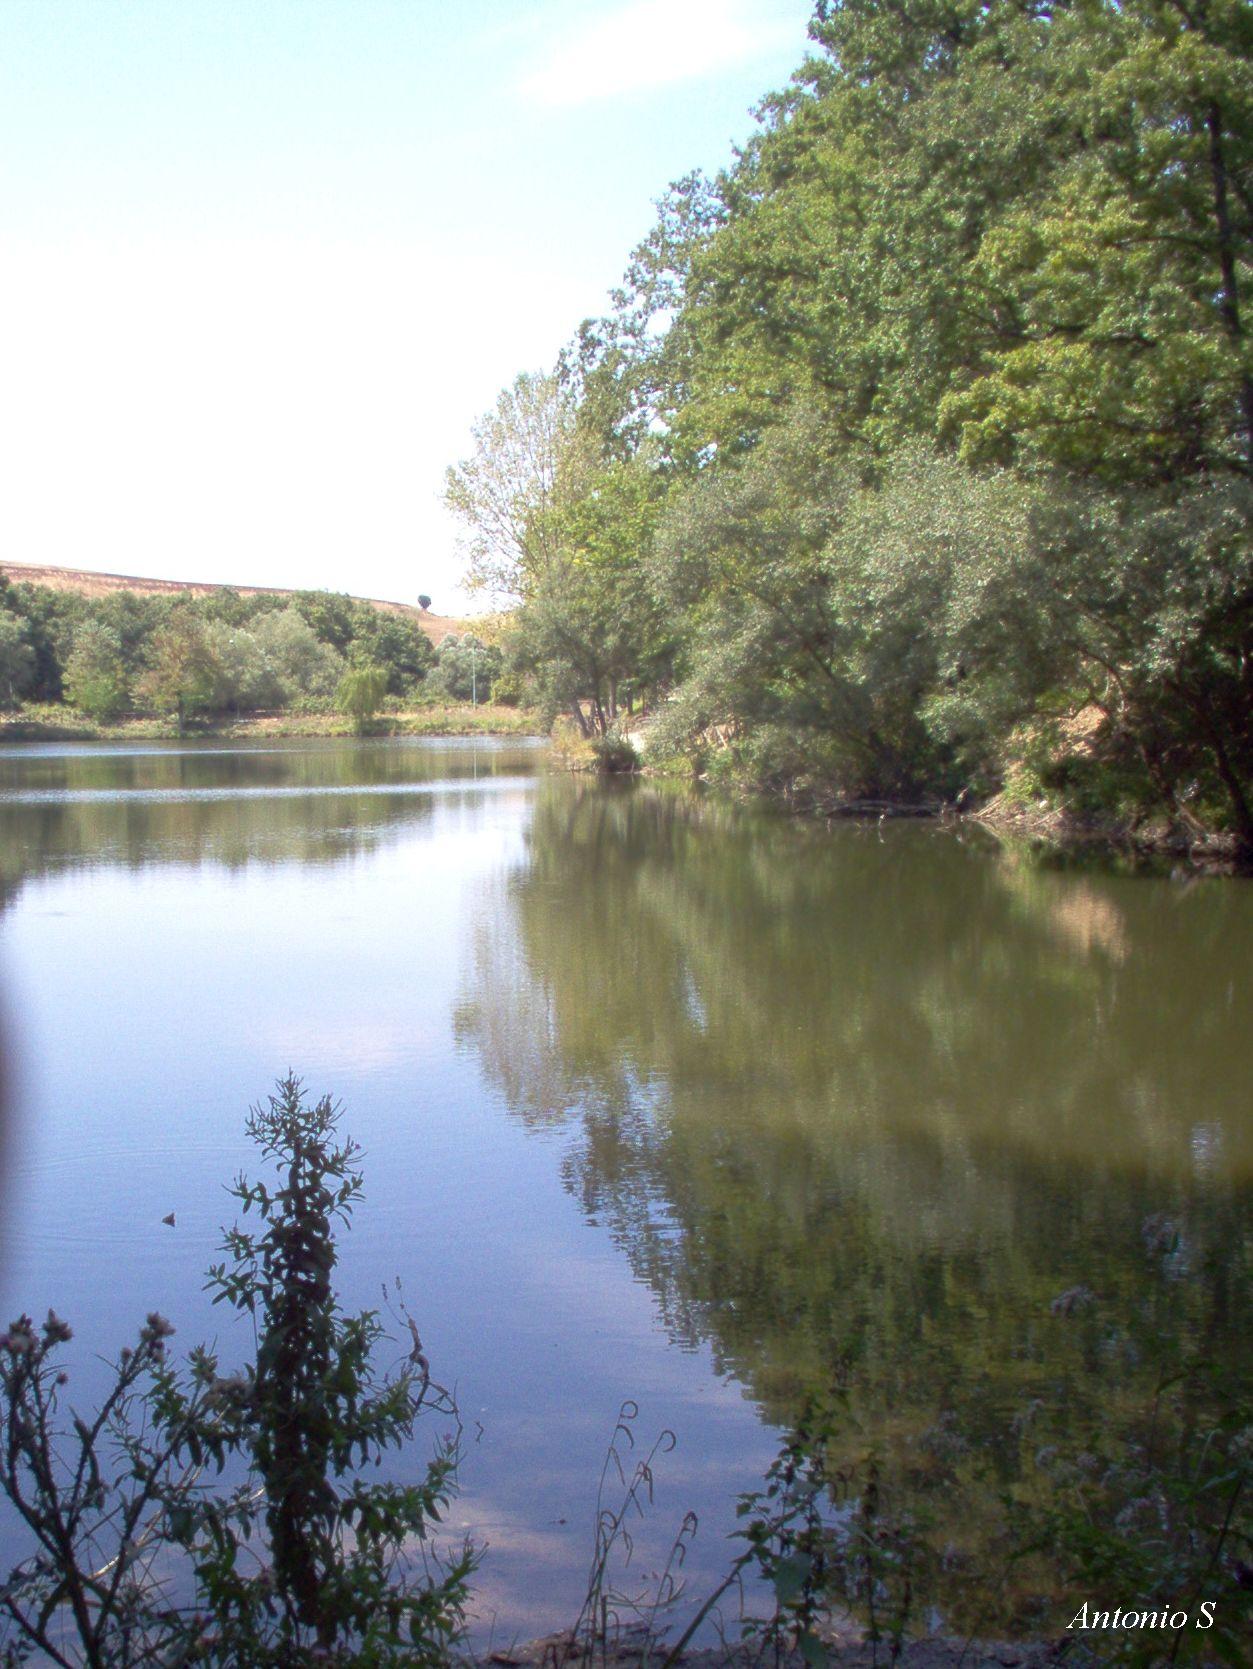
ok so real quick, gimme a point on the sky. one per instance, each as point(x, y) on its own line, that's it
point(265, 261)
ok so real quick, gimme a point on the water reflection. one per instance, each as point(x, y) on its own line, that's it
point(859, 1105)
point(731, 1102)
point(66, 807)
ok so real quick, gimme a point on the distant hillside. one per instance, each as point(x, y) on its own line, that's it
point(436, 626)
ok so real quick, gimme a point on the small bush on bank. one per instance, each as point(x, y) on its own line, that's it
point(615, 753)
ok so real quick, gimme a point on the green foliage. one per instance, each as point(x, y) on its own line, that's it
point(295, 662)
point(17, 659)
point(592, 628)
point(1127, 357)
point(360, 694)
point(812, 614)
point(46, 618)
point(819, 1535)
point(506, 492)
point(303, 1561)
point(88, 1492)
point(95, 679)
point(466, 668)
point(1157, 1509)
point(311, 1413)
point(182, 677)
point(614, 753)
point(564, 528)
point(892, 442)
point(395, 643)
point(331, 614)
point(1137, 605)
point(198, 655)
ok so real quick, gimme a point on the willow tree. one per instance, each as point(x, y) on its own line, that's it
point(561, 531)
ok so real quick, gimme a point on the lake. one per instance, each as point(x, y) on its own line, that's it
point(662, 1099)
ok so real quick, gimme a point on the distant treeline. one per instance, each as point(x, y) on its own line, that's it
point(217, 653)
point(912, 459)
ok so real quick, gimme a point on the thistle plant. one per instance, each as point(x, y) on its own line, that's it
point(287, 1556)
point(92, 1494)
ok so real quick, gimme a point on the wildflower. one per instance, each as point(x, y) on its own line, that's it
point(57, 1331)
point(20, 1338)
point(155, 1332)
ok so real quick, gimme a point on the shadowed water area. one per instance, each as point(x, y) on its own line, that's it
point(662, 1098)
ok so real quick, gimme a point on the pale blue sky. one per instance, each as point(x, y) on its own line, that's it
point(265, 260)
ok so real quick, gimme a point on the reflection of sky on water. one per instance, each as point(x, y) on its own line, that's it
point(659, 1099)
point(163, 973)
point(173, 796)
point(1208, 1145)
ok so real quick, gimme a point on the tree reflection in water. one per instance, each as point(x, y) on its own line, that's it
point(860, 1104)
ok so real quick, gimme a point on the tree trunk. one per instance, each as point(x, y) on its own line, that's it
point(1242, 812)
point(1237, 794)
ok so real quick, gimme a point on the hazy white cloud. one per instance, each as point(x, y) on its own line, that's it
point(648, 44)
point(274, 414)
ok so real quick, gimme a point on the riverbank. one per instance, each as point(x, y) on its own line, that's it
point(1145, 840)
point(1010, 815)
point(53, 724)
point(918, 1654)
point(1140, 841)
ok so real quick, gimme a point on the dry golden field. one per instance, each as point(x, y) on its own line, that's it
point(436, 626)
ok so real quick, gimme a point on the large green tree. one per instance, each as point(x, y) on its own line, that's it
point(95, 676)
point(506, 492)
point(1123, 349)
point(943, 397)
point(561, 527)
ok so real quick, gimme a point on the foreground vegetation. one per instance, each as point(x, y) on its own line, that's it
point(912, 460)
point(218, 1514)
point(252, 1474)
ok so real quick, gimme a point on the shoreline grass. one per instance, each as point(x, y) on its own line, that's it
point(64, 724)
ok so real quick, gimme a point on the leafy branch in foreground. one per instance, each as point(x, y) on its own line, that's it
point(300, 1561)
point(91, 1493)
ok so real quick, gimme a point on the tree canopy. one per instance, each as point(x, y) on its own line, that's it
point(919, 440)
point(192, 655)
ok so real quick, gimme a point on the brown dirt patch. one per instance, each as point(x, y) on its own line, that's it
point(91, 584)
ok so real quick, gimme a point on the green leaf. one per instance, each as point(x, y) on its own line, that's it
point(790, 1577)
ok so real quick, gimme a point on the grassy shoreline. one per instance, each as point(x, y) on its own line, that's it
point(64, 724)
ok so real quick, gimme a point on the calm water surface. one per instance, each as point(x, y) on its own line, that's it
point(662, 1099)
